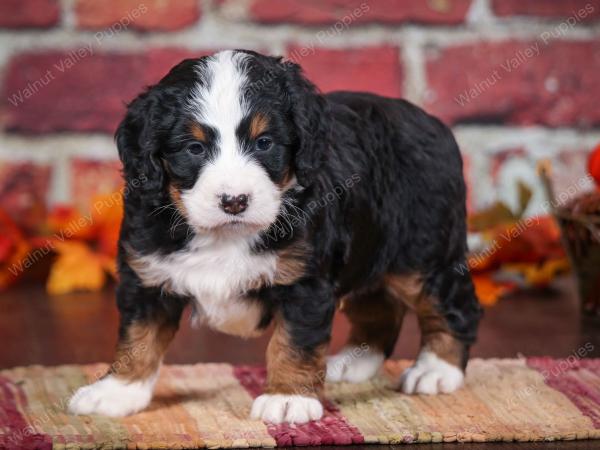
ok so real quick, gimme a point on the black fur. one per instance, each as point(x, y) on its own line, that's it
point(380, 186)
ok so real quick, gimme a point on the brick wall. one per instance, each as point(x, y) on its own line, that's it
point(519, 80)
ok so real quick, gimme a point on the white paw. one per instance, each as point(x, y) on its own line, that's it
point(354, 364)
point(278, 408)
point(112, 397)
point(431, 375)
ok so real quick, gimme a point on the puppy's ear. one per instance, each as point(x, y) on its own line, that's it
point(311, 120)
point(138, 146)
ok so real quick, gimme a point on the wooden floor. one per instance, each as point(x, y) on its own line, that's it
point(81, 328)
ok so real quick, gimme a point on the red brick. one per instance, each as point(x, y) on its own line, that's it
point(359, 11)
point(580, 10)
point(372, 69)
point(92, 177)
point(28, 13)
point(558, 87)
point(164, 15)
point(23, 190)
point(88, 96)
point(160, 61)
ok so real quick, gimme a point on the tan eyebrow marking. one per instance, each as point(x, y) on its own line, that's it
point(198, 132)
point(258, 125)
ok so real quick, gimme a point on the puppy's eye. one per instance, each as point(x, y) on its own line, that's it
point(264, 143)
point(195, 148)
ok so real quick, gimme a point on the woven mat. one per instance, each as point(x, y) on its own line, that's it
point(207, 405)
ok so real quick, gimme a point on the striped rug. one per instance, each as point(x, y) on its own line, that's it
point(207, 405)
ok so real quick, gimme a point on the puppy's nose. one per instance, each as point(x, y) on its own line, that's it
point(234, 204)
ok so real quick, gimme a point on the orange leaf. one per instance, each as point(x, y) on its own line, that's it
point(76, 268)
point(13, 268)
point(107, 209)
point(107, 213)
point(530, 240)
point(489, 291)
point(65, 222)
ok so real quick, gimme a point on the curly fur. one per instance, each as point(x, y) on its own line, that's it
point(367, 186)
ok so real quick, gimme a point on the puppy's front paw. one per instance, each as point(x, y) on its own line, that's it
point(278, 408)
point(112, 397)
point(354, 365)
point(431, 375)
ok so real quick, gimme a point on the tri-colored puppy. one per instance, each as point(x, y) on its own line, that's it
point(266, 201)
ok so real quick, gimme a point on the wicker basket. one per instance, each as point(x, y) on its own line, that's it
point(579, 221)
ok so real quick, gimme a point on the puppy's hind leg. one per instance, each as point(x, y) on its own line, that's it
point(376, 318)
point(128, 385)
point(448, 313)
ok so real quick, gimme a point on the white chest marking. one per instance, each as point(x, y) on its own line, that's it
point(217, 273)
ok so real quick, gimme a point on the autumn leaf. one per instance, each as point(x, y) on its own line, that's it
point(6, 247)
point(536, 275)
point(496, 214)
point(489, 291)
point(66, 222)
point(77, 267)
point(531, 240)
point(107, 213)
point(12, 268)
point(525, 195)
point(86, 245)
point(13, 248)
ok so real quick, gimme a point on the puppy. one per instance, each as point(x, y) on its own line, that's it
point(264, 201)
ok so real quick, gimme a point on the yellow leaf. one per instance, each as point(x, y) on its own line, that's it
point(495, 215)
point(538, 275)
point(525, 194)
point(76, 268)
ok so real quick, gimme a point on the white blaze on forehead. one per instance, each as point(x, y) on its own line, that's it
point(220, 102)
